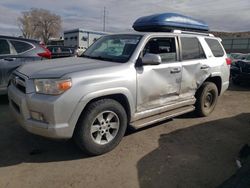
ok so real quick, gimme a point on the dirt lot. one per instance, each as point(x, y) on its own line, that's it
point(186, 152)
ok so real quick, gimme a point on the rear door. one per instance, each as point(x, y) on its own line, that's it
point(158, 85)
point(195, 66)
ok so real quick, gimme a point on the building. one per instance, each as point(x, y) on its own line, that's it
point(236, 45)
point(235, 42)
point(81, 38)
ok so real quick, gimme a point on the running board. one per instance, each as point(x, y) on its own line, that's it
point(161, 117)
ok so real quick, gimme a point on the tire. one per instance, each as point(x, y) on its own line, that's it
point(206, 99)
point(101, 127)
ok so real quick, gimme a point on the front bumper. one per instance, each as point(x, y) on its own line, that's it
point(21, 104)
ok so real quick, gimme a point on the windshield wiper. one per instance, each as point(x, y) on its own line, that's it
point(100, 58)
point(87, 56)
point(104, 58)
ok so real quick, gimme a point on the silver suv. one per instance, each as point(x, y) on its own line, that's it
point(121, 80)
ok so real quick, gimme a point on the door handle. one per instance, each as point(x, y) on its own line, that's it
point(175, 70)
point(204, 67)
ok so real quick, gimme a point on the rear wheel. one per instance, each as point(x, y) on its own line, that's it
point(101, 127)
point(206, 99)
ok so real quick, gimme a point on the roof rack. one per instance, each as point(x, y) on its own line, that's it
point(192, 32)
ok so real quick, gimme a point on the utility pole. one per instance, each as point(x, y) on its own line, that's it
point(104, 19)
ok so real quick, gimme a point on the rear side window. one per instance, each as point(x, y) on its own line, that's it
point(20, 46)
point(4, 47)
point(191, 49)
point(215, 47)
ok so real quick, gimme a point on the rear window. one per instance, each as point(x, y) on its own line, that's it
point(4, 47)
point(20, 46)
point(215, 47)
point(191, 49)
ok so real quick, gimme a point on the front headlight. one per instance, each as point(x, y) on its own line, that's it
point(52, 86)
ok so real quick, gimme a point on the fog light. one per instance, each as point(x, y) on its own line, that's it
point(37, 116)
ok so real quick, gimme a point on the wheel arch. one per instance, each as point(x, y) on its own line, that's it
point(119, 97)
point(217, 81)
point(122, 96)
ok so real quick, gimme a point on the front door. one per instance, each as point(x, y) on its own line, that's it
point(158, 85)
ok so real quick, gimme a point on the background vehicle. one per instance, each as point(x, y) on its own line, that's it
point(15, 52)
point(61, 51)
point(121, 80)
point(237, 56)
point(240, 70)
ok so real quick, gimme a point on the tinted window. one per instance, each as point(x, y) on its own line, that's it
point(215, 47)
point(165, 47)
point(4, 47)
point(191, 48)
point(21, 46)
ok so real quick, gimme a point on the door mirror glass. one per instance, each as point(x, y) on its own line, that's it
point(151, 59)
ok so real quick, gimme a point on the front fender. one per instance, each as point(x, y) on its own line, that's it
point(97, 94)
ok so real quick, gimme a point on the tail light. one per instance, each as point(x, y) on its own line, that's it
point(228, 61)
point(46, 53)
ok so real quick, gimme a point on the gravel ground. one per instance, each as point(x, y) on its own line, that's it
point(185, 152)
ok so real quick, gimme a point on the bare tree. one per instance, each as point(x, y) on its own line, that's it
point(40, 24)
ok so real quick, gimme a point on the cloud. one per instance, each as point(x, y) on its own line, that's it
point(221, 15)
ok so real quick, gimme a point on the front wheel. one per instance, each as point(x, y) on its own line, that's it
point(101, 127)
point(206, 99)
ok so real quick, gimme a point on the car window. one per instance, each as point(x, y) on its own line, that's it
point(21, 46)
point(191, 49)
point(215, 47)
point(66, 50)
point(4, 47)
point(165, 47)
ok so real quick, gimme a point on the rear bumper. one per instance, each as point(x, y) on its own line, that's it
point(21, 110)
point(224, 87)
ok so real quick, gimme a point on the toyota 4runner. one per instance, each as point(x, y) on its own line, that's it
point(121, 80)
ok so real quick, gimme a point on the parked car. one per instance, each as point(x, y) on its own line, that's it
point(61, 51)
point(237, 56)
point(240, 70)
point(15, 52)
point(122, 80)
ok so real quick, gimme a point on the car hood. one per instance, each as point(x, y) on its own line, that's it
point(56, 68)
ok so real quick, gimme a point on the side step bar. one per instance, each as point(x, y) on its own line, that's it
point(161, 117)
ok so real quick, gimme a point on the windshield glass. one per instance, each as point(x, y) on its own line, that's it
point(116, 48)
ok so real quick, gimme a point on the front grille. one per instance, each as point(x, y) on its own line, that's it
point(18, 82)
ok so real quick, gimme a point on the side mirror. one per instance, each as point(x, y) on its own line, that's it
point(151, 59)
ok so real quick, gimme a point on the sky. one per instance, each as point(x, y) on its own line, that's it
point(220, 15)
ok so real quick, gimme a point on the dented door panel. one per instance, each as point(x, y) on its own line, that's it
point(158, 85)
point(194, 73)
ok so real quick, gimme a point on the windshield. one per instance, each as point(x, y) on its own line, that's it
point(116, 48)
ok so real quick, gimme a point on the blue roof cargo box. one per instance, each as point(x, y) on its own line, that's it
point(167, 22)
